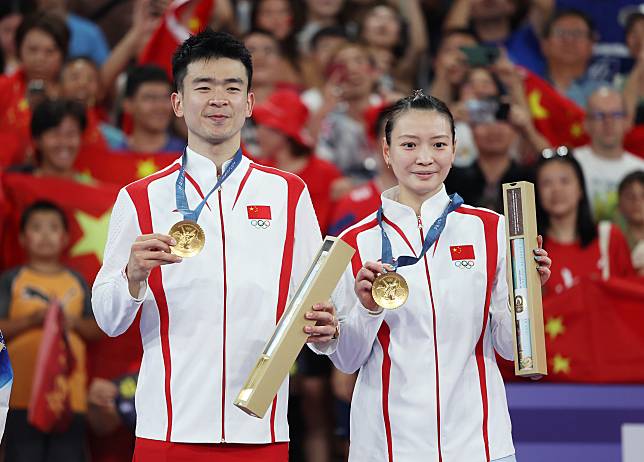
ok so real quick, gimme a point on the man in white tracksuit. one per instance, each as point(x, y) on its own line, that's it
point(205, 320)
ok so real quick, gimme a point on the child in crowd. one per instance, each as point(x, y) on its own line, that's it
point(26, 292)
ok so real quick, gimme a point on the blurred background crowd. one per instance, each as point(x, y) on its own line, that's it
point(548, 91)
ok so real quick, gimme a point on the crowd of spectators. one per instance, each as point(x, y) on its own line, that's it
point(548, 91)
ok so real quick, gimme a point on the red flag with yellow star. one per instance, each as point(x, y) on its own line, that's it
point(594, 333)
point(122, 168)
point(15, 118)
point(556, 117)
point(88, 209)
point(181, 19)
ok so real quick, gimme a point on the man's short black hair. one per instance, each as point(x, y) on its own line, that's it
point(51, 24)
point(50, 113)
point(139, 75)
point(42, 206)
point(206, 45)
point(568, 12)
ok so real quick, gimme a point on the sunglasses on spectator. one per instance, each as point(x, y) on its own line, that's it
point(601, 116)
point(559, 151)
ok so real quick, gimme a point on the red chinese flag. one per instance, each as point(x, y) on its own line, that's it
point(181, 19)
point(87, 207)
point(556, 117)
point(122, 168)
point(259, 212)
point(462, 252)
point(594, 333)
point(15, 117)
point(49, 405)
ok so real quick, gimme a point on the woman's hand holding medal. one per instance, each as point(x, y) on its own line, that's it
point(148, 252)
point(364, 283)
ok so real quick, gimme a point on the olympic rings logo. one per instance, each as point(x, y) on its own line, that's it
point(467, 264)
point(263, 224)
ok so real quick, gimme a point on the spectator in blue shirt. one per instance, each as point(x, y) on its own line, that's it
point(87, 39)
point(567, 44)
point(147, 101)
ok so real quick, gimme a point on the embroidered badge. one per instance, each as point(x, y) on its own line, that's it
point(462, 255)
point(259, 215)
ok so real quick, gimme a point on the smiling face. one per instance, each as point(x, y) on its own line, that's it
point(421, 153)
point(80, 81)
point(214, 102)
point(58, 146)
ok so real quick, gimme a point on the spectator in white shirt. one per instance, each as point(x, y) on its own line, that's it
point(604, 161)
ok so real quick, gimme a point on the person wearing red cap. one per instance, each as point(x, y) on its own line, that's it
point(284, 144)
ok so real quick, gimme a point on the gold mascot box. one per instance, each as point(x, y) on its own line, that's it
point(289, 337)
point(524, 284)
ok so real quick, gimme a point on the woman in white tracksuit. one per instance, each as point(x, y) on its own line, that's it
point(429, 388)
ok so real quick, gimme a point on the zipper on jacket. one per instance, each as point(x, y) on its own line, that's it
point(429, 286)
point(223, 367)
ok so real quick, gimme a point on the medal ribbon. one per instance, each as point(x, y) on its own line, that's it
point(182, 200)
point(455, 201)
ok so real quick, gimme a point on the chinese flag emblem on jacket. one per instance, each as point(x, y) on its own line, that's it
point(49, 407)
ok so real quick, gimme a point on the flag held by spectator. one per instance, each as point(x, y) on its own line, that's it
point(181, 19)
point(556, 117)
point(124, 167)
point(6, 380)
point(593, 333)
point(88, 209)
point(49, 406)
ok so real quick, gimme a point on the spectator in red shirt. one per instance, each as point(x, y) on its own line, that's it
point(578, 247)
point(280, 132)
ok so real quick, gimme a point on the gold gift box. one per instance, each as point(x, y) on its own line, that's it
point(524, 283)
point(289, 337)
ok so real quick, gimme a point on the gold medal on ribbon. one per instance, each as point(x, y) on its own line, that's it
point(390, 290)
point(190, 238)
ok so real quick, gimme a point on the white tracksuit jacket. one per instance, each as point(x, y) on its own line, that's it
point(204, 321)
point(429, 388)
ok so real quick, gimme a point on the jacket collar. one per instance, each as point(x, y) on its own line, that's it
point(204, 170)
point(405, 216)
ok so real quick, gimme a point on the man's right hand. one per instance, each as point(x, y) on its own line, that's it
point(148, 252)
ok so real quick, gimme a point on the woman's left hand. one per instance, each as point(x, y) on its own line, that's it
point(543, 260)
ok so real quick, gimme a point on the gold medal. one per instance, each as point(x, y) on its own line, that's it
point(389, 290)
point(190, 238)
